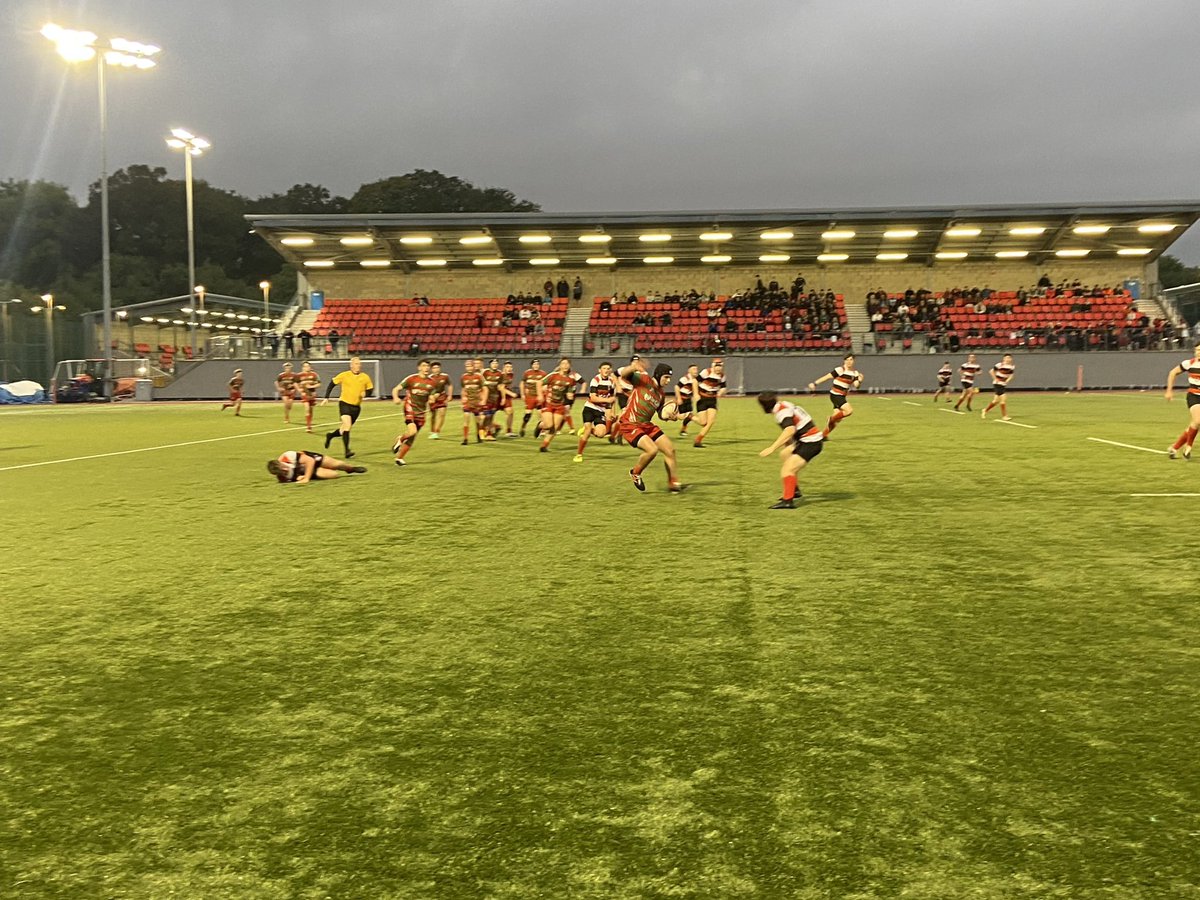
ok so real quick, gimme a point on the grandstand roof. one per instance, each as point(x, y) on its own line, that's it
point(806, 237)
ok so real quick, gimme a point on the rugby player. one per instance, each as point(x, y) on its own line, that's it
point(474, 398)
point(308, 381)
point(235, 393)
point(1002, 373)
point(507, 376)
point(685, 389)
point(491, 380)
point(710, 385)
point(303, 466)
point(845, 378)
point(800, 439)
point(1192, 368)
point(531, 383)
point(557, 394)
point(943, 382)
point(598, 410)
point(417, 389)
point(285, 384)
point(443, 392)
point(637, 422)
point(966, 375)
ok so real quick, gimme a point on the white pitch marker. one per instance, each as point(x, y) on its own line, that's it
point(1164, 495)
point(955, 412)
point(1018, 424)
point(1128, 446)
point(910, 403)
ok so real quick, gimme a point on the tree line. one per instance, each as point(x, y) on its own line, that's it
point(49, 243)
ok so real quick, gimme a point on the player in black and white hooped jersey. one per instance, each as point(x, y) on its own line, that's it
point(845, 378)
point(944, 374)
point(710, 385)
point(801, 439)
point(685, 392)
point(967, 373)
point(1002, 373)
point(1192, 368)
point(598, 412)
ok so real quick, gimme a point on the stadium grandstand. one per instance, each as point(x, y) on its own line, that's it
point(1038, 277)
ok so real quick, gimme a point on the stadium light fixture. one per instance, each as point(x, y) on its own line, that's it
point(776, 236)
point(147, 318)
point(1068, 253)
point(657, 237)
point(83, 46)
point(535, 239)
point(416, 240)
point(950, 254)
point(601, 260)
point(900, 234)
point(374, 263)
point(891, 257)
point(838, 234)
point(319, 263)
point(774, 257)
point(296, 241)
point(832, 257)
point(474, 240)
point(191, 145)
point(1157, 228)
point(487, 261)
point(964, 231)
point(265, 287)
point(716, 258)
point(363, 241)
point(49, 307)
point(1027, 230)
point(595, 238)
point(1091, 229)
point(544, 261)
point(429, 263)
point(717, 236)
point(1012, 254)
point(658, 260)
point(1134, 251)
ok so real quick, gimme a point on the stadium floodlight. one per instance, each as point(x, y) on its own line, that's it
point(595, 238)
point(1091, 229)
point(964, 231)
point(891, 257)
point(296, 241)
point(364, 241)
point(1157, 228)
point(1134, 251)
point(776, 236)
point(472, 240)
point(416, 240)
point(1071, 253)
point(717, 236)
point(535, 239)
point(147, 318)
point(950, 254)
point(488, 261)
point(544, 261)
point(716, 258)
point(5, 352)
point(601, 260)
point(656, 237)
point(838, 234)
point(832, 257)
point(265, 287)
point(49, 307)
point(83, 46)
point(1027, 230)
point(900, 234)
point(191, 145)
point(319, 263)
point(431, 262)
point(658, 260)
point(774, 257)
point(1012, 254)
point(374, 263)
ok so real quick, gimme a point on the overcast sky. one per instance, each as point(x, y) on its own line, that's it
point(609, 105)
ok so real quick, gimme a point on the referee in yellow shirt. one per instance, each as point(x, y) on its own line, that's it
point(355, 385)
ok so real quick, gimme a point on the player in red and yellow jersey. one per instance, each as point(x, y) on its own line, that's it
point(966, 375)
point(568, 418)
point(285, 384)
point(235, 393)
point(308, 381)
point(800, 438)
point(598, 411)
point(491, 380)
point(303, 466)
point(557, 393)
point(531, 390)
point(637, 422)
point(474, 398)
point(1002, 373)
point(507, 396)
point(710, 384)
point(624, 389)
point(443, 392)
point(845, 379)
point(1192, 368)
point(417, 389)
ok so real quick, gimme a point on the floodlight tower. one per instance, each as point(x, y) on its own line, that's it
point(191, 145)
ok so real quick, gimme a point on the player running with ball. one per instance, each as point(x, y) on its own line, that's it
point(845, 379)
point(637, 422)
point(800, 439)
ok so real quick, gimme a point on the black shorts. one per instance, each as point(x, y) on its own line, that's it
point(349, 409)
point(622, 400)
point(706, 403)
point(685, 406)
point(319, 457)
point(594, 416)
point(999, 389)
point(967, 385)
point(806, 450)
point(838, 400)
point(1193, 399)
point(943, 384)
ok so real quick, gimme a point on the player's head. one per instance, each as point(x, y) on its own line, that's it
point(971, 357)
point(535, 364)
point(287, 367)
point(306, 366)
point(1008, 357)
point(494, 364)
point(423, 366)
point(662, 374)
point(605, 369)
point(718, 363)
point(508, 367)
point(435, 366)
point(848, 359)
point(355, 365)
point(564, 366)
point(275, 467)
point(767, 400)
point(237, 371)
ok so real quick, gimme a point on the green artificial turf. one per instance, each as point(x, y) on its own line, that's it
point(966, 666)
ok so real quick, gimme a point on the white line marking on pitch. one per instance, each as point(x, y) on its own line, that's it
point(883, 398)
point(957, 412)
point(1128, 446)
point(228, 437)
point(910, 403)
point(1018, 424)
point(1164, 495)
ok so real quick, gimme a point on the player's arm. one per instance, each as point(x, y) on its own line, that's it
point(541, 392)
point(812, 385)
point(396, 391)
point(310, 466)
point(784, 436)
point(1171, 376)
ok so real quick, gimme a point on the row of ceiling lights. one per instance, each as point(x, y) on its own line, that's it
point(241, 317)
point(839, 234)
point(724, 258)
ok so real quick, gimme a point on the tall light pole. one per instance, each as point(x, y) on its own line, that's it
point(266, 289)
point(182, 139)
point(5, 347)
point(81, 46)
point(48, 308)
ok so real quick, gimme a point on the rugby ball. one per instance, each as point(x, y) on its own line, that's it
point(669, 411)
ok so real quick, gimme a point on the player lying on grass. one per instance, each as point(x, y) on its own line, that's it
point(303, 466)
point(800, 439)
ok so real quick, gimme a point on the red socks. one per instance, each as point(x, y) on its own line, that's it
point(789, 487)
point(1188, 437)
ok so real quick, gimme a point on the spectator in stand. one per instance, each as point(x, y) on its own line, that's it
point(548, 289)
point(305, 342)
point(273, 342)
point(564, 289)
point(333, 337)
point(289, 344)
point(577, 289)
point(1044, 282)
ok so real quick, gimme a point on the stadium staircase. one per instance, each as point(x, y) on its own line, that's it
point(858, 323)
point(574, 331)
point(304, 320)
